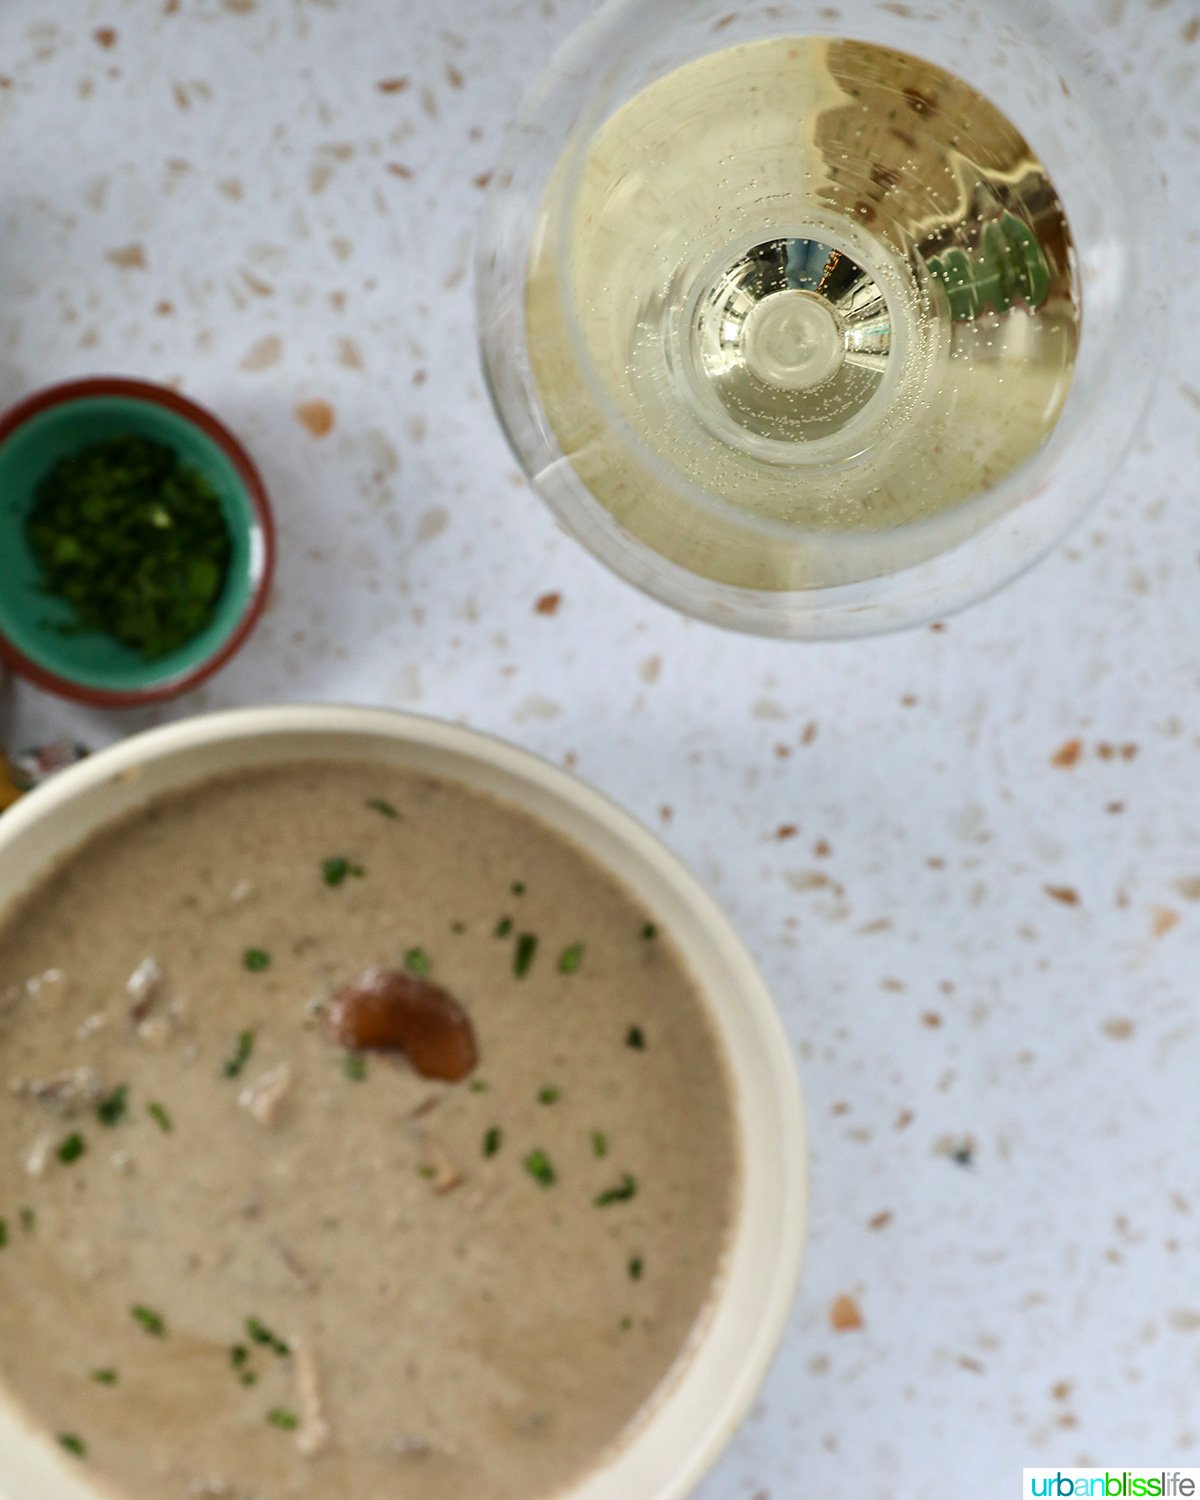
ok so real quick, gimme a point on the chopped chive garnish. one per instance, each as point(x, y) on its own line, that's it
point(241, 1055)
point(278, 1416)
point(622, 1193)
point(149, 1320)
point(636, 1267)
point(354, 1065)
point(105, 1377)
point(256, 960)
point(385, 809)
point(458, 927)
point(635, 1037)
point(416, 961)
point(523, 958)
point(570, 959)
point(73, 1444)
point(549, 1095)
point(504, 926)
point(28, 1220)
point(249, 1377)
point(478, 1086)
point(261, 1334)
point(426, 1171)
point(649, 932)
point(3, 1233)
point(626, 1324)
point(518, 887)
point(538, 1165)
point(335, 870)
point(72, 1149)
point(111, 1109)
point(599, 1143)
point(160, 1116)
point(492, 1141)
point(238, 1356)
point(132, 539)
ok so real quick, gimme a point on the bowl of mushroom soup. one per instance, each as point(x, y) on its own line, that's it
point(384, 1112)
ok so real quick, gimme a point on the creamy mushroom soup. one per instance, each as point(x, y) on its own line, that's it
point(255, 1242)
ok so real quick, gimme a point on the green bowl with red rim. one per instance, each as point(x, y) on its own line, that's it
point(37, 638)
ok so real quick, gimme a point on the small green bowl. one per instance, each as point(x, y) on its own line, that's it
point(92, 668)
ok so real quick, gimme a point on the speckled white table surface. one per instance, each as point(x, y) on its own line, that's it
point(1002, 1081)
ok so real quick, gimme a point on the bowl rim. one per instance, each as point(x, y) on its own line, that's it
point(718, 1400)
point(63, 394)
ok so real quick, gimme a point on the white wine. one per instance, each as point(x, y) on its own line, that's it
point(797, 307)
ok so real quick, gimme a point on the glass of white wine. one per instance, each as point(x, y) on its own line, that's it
point(821, 319)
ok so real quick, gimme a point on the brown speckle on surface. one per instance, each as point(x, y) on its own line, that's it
point(651, 670)
point(232, 188)
point(1189, 887)
point(1192, 30)
point(256, 284)
point(931, 1018)
point(845, 1314)
point(547, 604)
point(1120, 1028)
point(1067, 755)
point(786, 831)
point(433, 522)
point(881, 1220)
point(349, 354)
point(392, 85)
point(398, 169)
point(128, 257)
point(1066, 895)
point(481, 179)
point(724, 21)
point(263, 354)
point(1162, 920)
point(809, 733)
point(453, 77)
point(316, 417)
point(105, 36)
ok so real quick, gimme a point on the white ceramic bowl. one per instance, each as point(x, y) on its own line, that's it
point(688, 1427)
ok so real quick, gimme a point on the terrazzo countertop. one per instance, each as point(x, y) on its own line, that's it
point(967, 857)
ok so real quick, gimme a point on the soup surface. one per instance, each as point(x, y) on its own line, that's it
point(240, 1260)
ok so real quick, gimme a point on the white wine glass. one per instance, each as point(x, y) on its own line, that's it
point(817, 320)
